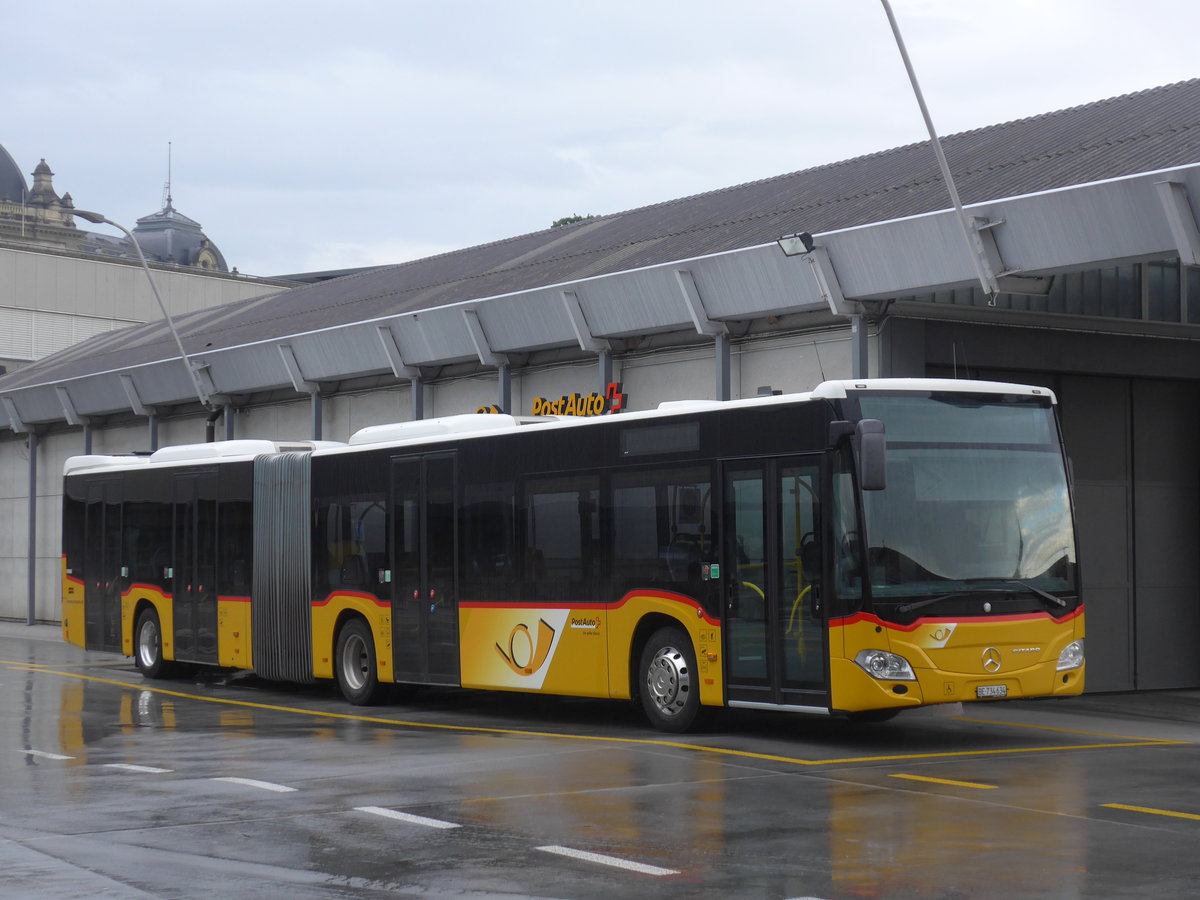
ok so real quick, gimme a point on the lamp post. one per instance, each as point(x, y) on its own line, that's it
point(97, 219)
point(987, 279)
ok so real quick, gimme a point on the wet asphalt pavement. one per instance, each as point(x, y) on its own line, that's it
point(227, 786)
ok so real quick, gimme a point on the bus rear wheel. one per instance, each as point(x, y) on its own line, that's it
point(148, 646)
point(356, 668)
point(668, 681)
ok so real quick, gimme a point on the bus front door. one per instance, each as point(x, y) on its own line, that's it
point(424, 596)
point(776, 646)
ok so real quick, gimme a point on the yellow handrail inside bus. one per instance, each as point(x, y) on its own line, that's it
point(754, 587)
point(796, 618)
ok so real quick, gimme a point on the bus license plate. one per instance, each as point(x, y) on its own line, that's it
point(985, 691)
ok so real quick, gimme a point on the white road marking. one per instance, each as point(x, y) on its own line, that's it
point(603, 860)
point(45, 754)
point(406, 817)
point(265, 785)
point(129, 767)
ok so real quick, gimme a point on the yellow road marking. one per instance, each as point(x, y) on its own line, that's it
point(966, 784)
point(1102, 734)
point(1151, 811)
point(652, 742)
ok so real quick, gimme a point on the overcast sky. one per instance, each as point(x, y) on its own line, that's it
point(316, 135)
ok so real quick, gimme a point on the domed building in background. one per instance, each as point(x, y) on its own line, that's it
point(171, 237)
point(65, 284)
point(12, 182)
point(39, 217)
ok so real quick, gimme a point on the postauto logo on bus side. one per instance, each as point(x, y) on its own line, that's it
point(525, 656)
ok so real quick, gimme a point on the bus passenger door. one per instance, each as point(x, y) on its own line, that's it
point(424, 567)
point(776, 646)
point(194, 562)
point(103, 579)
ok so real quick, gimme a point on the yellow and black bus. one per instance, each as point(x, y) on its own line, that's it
point(861, 549)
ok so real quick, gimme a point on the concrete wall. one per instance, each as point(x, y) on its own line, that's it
point(48, 301)
point(788, 363)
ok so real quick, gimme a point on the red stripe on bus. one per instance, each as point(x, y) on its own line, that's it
point(873, 619)
point(607, 607)
point(359, 594)
point(152, 588)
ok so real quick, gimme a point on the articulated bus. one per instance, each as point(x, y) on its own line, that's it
point(865, 548)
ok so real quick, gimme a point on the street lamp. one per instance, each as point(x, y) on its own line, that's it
point(801, 244)
point(97, 219)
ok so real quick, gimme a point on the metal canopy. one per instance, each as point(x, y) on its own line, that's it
point(1075, 189)
point(1086, 226)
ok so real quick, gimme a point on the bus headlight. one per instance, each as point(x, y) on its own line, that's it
point(1071, 656)
point(885, 666)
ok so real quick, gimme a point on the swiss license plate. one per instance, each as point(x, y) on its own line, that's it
point(986, 691)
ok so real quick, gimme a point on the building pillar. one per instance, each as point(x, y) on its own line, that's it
point(860, 361)
point(417, 386)
point(30, 617)
point(723, 362)
point(504, 400)
point(315, 404)
point(604, 362)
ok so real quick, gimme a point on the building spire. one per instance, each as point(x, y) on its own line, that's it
point(167, 187)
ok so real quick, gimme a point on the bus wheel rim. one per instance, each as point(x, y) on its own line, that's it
point(669, 681)
point(355, 661)
point(148, 643)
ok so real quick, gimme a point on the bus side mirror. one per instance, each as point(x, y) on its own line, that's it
point(872, 454)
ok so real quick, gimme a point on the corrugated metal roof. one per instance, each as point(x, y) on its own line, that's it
point(1139, 132)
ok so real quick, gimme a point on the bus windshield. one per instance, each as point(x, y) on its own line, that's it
point(976, 498)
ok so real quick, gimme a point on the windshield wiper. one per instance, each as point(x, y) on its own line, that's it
point(1037, 592)
point(1045, 595)
point(928, 601)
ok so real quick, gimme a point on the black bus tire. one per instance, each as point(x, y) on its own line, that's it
point(355, 665)
point(148, 646)
point(668, 681)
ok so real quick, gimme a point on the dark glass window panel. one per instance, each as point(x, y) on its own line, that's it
point(663, 529)
point(488, 542)
point(1193, 296)
point(1162, 283)
point(562, 539)
point(648, 440)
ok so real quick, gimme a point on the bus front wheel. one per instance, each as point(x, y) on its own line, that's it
point(356, 670)
point(669, 683)
point(148, 646)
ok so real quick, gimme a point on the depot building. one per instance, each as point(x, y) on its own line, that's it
point(1084, 218)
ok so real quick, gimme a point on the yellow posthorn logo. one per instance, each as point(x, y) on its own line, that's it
point(524, 656)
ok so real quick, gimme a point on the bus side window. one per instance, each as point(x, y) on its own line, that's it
point(487, 543)
point(848, 548)
point(562, 534)
point(350, 542)
point(663, 528)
